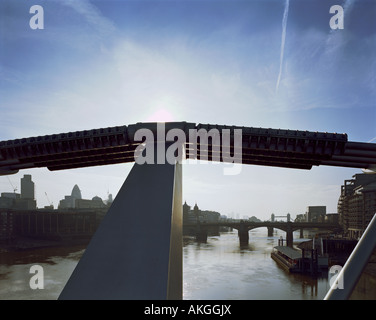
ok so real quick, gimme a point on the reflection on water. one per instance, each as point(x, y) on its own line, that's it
point(58, 264)
point(219, 269)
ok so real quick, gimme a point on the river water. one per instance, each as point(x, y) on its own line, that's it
point(218, 269)
point(221, 269)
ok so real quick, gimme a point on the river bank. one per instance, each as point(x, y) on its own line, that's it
point(31, 243)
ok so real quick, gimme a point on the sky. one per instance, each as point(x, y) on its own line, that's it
point(270, 64)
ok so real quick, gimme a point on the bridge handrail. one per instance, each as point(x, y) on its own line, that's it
point(259, 146)
point(355, 264)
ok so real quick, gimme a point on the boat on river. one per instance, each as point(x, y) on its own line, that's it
point(299, 261)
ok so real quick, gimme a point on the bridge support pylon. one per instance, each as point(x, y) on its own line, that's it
point(136, 252)
point(270, 231)
point(243, 235)
point(289, 236)
point(201, 233)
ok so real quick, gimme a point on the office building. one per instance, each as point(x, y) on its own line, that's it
point(24, 201)
point(69, 202)
point(316, 213)
point(357, 203)
point(27, 187)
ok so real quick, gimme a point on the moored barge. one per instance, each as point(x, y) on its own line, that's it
point(297, 261)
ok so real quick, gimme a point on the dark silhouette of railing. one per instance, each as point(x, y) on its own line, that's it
point(259, 146)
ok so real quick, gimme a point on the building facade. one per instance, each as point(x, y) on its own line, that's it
point(69, 202)
point(357, 203)
point(75, 201)
point(95, 203)
point(316, 213)
point(192, 216)
point(27, 187)
point(21, 201)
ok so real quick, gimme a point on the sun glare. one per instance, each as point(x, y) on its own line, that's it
point(161, 115)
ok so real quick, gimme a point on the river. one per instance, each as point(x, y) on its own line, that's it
point(219, 269)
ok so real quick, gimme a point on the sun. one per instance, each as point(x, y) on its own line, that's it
point(161, 115)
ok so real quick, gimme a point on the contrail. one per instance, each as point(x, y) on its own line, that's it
point(284, 25)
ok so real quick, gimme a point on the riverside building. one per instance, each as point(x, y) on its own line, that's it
point(357, 204)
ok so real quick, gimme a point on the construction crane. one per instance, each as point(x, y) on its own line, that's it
point(14, 188)
point(49, 202)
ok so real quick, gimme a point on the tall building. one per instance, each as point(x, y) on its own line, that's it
point(357, 203)
point(76, 192)
point(25, 200)
point(109, 199)
point(316, 213)
point(69, 202)
point(27, 187)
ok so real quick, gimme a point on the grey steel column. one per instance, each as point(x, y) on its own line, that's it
point(136, 252)
point(355, 264)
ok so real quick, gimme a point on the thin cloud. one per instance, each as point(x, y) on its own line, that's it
point(92, 15)
point(348, 5)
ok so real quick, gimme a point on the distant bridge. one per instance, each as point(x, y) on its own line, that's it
point(244, 226)
point(112, 266)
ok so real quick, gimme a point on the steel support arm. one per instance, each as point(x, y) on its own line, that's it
point(136, 253)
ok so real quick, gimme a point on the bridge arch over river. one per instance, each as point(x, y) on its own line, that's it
point(244, 227)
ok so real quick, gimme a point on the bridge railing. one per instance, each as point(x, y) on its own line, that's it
point(257, 146)
point(354, 266)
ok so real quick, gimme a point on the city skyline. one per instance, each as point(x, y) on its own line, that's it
point(30, 193)
point(76, 192)
point(106, 63)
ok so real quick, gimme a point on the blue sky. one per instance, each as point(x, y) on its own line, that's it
point(106, 63)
